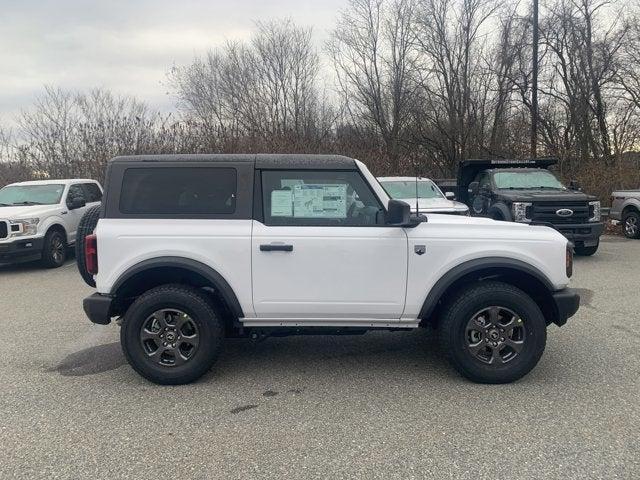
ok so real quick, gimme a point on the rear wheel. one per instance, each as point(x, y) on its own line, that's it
point(631, 224)
point(54, 250)
point(171, 335)
point(493, 332)
point(587, 251)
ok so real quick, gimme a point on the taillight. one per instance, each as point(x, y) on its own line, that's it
point(569, 259)
point(91, 254)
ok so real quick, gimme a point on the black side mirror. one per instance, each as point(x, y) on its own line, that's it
point(575, 185)
point(474, 188)
point(77, 202)
point(399, 213)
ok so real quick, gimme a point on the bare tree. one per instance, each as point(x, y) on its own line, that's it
point(265, 89)
point(372, 48)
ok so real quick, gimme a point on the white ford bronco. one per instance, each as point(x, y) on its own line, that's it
point(189, 249)
point(39, 219)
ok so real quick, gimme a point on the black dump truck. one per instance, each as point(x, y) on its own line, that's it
point(526, 191)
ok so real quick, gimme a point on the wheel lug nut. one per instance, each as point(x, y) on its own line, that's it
point(502, 339)
point(164, 344)
point(495, 344)
point(173, 345)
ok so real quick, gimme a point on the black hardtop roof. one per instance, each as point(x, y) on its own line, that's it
point(261, 160)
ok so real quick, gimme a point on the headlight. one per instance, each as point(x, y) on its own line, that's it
point(520, 212)
point(594, 211)
point(24, 226)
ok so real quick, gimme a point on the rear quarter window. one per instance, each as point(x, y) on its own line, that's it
point(179, 191)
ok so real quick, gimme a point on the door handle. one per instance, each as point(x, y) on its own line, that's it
point(276, 247)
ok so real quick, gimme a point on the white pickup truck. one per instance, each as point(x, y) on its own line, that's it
point(191, 249)
point(39, 219)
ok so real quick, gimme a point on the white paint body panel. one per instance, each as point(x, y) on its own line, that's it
point(224, 245)
point(453, 240)
point(332, 272)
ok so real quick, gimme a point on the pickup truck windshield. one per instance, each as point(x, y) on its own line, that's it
point(407, 189)
point(31, 194)
point(527, 179)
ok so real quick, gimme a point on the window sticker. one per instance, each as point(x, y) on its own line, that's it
point(282, 203)
point(320, 201)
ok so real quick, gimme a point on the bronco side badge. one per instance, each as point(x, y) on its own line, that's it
point(420, 249)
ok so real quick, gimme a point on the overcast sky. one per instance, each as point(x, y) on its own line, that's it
point(126, 45)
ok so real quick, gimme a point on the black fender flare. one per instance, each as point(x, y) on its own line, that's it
point(504, 210)
point(211, 275)
point(489, 263)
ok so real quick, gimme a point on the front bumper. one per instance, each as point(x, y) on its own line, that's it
point(21, 250)
point(567, 302)
point(98, 308)
point(583, 234)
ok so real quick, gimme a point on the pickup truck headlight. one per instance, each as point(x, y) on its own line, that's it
point(594, 211)
point(24, 227)
point(521, 211)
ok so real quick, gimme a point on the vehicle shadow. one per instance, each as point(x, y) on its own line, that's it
point(34, 265)
point(374, 353)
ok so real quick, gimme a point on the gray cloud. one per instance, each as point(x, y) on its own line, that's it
point(126, 46)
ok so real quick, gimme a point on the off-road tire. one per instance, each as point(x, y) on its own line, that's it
point(197, 306)
point(587, 251)
point(462, 308)
point(630, 216)
point(54, 249)
point(86, 227)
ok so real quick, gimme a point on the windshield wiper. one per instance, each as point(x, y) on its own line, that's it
point(27, 203)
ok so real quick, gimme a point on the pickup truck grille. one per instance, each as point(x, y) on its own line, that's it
point(547, 212)
point(4, 229)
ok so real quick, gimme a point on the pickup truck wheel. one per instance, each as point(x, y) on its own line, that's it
point(587, 251)
point(54, 251)
point(86, 227)
point(631, 224)
point(493, 332)
point(171, 335)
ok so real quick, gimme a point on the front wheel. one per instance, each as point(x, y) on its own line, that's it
point(171, 335)
point(587, 251)
point(631, 224)
point(493, 332)
point(54, 250)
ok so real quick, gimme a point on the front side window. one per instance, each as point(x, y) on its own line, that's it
point(75, 191)
point(484, 181)
point(179, 191)
point(311, 198)
point(92, 192)
point(527, 179)
point(401, 189)
point(49, 194)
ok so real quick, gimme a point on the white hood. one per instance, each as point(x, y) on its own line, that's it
point(427, 205)
point(434, 218)
point(27, 211)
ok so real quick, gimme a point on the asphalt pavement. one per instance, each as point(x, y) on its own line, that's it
point(381, 405)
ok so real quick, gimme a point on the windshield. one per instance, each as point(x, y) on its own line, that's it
point(407, 189)
point(527, 179)
point(31, 194)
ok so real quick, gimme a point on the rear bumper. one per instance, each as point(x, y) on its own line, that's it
point(567, 302)
point(98, 308)
point(21, 250)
